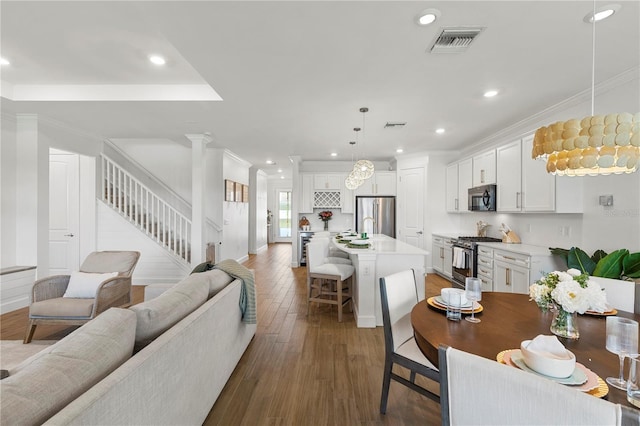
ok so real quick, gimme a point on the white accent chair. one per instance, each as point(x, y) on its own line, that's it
point(480, 391)
point(327, 282)
point(398, 295)
point(622, 295)
point(48, 306)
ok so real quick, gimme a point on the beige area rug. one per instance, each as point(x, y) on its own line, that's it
point(13, 352)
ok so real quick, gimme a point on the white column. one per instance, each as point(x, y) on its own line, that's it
point(198, 185)
point(295, 208)
point(32, 195)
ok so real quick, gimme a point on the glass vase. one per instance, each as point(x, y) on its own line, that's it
point(326, 225)
point(565, 324)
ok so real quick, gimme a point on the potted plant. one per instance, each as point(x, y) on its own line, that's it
point(619, 264)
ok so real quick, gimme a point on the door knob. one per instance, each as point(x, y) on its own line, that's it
point(419, 232)
point(68, 235)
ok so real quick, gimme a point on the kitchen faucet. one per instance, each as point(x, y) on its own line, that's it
point(364, 223)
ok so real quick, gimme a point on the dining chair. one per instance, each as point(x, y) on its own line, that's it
point(622, 295)
point(479, 391)
point(104, 281)
point(327, 282)
point(399, 294)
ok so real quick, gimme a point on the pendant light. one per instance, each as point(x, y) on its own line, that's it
point(598, 144)
point(352, 182)
point(363, 169)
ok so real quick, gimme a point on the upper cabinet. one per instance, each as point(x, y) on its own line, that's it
point(381, 183)
point(327, 181)
point(306, 193)
point(347, 196)
point(484, 168)
point(523, 184)
point(458, 181)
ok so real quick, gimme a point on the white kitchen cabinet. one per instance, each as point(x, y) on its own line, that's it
point(509, 278)
point(381, 183)
point(346, 196)
point(306, 193)
point(327, 181)
point(459, 178)
point(442, 255)
point(485, 267)
point(484, 168)
point(523, 184)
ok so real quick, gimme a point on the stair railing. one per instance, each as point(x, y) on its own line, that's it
point(148, 212)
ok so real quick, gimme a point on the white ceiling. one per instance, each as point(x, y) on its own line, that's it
point(292, 75)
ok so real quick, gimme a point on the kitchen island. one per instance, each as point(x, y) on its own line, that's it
point(384, 256)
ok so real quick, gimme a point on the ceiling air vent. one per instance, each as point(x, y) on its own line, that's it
point(455, 40)
point(394, 124)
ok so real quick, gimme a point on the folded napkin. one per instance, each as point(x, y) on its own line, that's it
point(549, 347)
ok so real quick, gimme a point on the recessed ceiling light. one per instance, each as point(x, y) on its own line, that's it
point(270, 162)
point(281, 177)
point(399, 150)
point(279, 170)
point(3, 61)
point(334, 154)
point(157, 60)
point(440, 131)
point(603, 12)
point(427, 16)
point(490, 93)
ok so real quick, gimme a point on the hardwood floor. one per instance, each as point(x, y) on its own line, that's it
point(298, 370)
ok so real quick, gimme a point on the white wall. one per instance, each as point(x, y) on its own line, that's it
point(8, 192)
point(235, 244)
point(258, 190)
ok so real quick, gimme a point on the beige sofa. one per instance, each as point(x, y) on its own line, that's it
point(190, 339)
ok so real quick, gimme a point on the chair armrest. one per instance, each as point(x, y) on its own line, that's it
point(110, 291)
point(49, 287)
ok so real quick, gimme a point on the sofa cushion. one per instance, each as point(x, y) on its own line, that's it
point(159, 314)
point(217, 280)
point(62, 307)
point(45, 383)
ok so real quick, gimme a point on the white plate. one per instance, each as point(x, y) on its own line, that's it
point(360, 242)
point(440, 301)
point(578, 377)
point(348, 238)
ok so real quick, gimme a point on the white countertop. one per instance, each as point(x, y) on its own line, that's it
point(382, 244)
point(527, 249)
point(453, 235)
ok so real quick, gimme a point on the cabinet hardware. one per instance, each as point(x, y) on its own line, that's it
point(507, 276)
point(441, 252)
point(481, 176)
point(518, 197)
point(510, 258)
point(68, 235)
point(456, 204)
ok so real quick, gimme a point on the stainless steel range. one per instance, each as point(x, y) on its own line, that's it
point(465, 258)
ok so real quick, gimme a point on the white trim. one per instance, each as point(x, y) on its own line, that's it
point(235, 157)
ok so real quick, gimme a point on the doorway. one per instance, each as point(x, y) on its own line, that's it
point(283, 216)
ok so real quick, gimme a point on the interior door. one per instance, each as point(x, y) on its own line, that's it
point(64, 206)
point(410, 211)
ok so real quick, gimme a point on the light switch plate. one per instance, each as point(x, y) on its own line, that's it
point(606, 200)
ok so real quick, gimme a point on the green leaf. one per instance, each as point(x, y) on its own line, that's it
point(610, 266)
point(598, 255)
point(580, 260)
point(557, 251)
point(631, 265)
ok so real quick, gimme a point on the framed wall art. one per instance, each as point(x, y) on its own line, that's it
point(229, 190)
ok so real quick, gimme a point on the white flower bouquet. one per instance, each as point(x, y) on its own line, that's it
point(570, 291)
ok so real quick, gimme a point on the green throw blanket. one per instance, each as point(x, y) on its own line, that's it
point(247, 290)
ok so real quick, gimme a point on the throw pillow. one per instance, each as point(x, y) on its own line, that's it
point(84, 285)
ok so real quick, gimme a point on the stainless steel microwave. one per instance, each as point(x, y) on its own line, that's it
point(482, 198)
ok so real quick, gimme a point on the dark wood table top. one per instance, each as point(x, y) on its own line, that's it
point(507, 320)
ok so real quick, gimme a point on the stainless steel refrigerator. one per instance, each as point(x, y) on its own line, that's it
point(376, 215)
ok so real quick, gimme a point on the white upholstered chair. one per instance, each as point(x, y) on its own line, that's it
point(333, 252)
point(327, 282)
point(398, 295)
point(622, 295)
point(480, 391)
point(49, 304)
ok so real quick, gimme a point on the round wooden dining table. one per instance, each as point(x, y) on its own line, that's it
point(506, 320)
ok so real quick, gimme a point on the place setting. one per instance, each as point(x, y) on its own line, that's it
point(546, 356)
point(456, 302)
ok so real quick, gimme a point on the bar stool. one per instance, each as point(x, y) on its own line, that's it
point(327, 282)
point(333, 252)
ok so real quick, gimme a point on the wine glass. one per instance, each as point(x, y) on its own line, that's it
point(473, 292)
point(622, 339)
